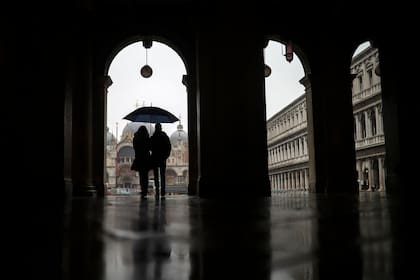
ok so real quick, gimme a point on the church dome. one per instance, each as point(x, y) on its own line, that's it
point(110, 138)
point(179, 137)
point(126, 152)
point(131, 127)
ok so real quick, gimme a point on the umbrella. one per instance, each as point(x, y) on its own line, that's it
point(151, 114)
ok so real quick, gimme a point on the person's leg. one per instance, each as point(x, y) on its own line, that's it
point(144, 181)
point(156, 178)
point(163, 178)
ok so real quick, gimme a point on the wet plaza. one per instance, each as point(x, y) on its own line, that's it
point(286, 236)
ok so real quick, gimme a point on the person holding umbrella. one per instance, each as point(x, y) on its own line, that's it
point(160, 143)
point(142, 160)
point(161, 149)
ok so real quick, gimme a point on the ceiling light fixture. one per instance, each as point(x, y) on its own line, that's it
point(146, 71)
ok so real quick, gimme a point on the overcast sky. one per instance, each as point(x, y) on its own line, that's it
point(165, 89)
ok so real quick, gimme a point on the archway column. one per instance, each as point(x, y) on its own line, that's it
point(191, 86)
point(232, 144)
point(381, 174)
point(82, 117)
point(369, 166)
point(98, 129)
point(309, 143)
point(330, 125)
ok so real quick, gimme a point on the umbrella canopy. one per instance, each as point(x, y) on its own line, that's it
point(151, 114)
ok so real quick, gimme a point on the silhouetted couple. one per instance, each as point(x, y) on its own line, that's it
point(151, 153)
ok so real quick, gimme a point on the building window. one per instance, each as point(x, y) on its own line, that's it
point(370, 75)
point(363, 125)
point(354, 129)
point(373, 123)
point(360, 83)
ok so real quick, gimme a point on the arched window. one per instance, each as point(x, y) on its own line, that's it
point(363, 125)
point(373, 122)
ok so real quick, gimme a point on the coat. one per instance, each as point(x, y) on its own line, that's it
point(142, 159)
point(160, 146)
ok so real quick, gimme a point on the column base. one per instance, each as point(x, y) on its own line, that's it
point(221, 187)
point(84, 190)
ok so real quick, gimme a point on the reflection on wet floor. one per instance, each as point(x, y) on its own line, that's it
point(287, 236)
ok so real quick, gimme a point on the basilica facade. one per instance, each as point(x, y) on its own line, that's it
point(287, 142)
point(120, 179)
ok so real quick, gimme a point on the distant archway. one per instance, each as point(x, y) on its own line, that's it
point(159, 94)
point(288, 142)
point(369, 135)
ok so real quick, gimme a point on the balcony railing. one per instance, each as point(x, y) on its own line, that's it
point(370, 141)
point(366, 93)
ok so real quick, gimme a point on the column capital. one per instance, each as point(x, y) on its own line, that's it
point(186, 80)
point(265, 42)
point(306, 81)
point(107, 82)
point(103, 80)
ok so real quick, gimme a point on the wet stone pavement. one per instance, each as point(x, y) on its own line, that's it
point(287, 236)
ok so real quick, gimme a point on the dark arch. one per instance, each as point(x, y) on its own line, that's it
point(296, 49)
point(171, 177)
point(140, 38)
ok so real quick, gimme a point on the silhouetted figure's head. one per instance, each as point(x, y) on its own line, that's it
point(158, 127)
point(142, 132)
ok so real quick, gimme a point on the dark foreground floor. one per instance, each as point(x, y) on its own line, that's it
point(287, 236)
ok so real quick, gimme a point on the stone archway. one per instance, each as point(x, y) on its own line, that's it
point(187, 80)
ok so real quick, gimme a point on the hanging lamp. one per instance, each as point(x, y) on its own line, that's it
point(267, 70)
point(289, 51)
point(146, 71)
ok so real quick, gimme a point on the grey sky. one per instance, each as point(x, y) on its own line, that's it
point(282, 86)
point(165, 89)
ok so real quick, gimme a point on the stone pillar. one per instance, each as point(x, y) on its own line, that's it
point(381, 174)
point(273, 182)
point(301, 179)
point(274, 156)
point(302, 146)
point(280, 181)
point(379, 120)
point(189, 81)
point(282, 153)
point(359, 127)
point(231, 102)
point(368, 123)
point(359, 173)
point(357, 124)
point(82, 122)
point(370, 176)
point(293, 173)
point(292, 149)
point(330, 124)
point(98, 129)
point(309, 140)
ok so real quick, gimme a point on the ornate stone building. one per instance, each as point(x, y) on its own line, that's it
point(119, 157)
point(110, 159)
point(368, 122)
point(288, 148)
point(287, 133)
point(177, 164)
